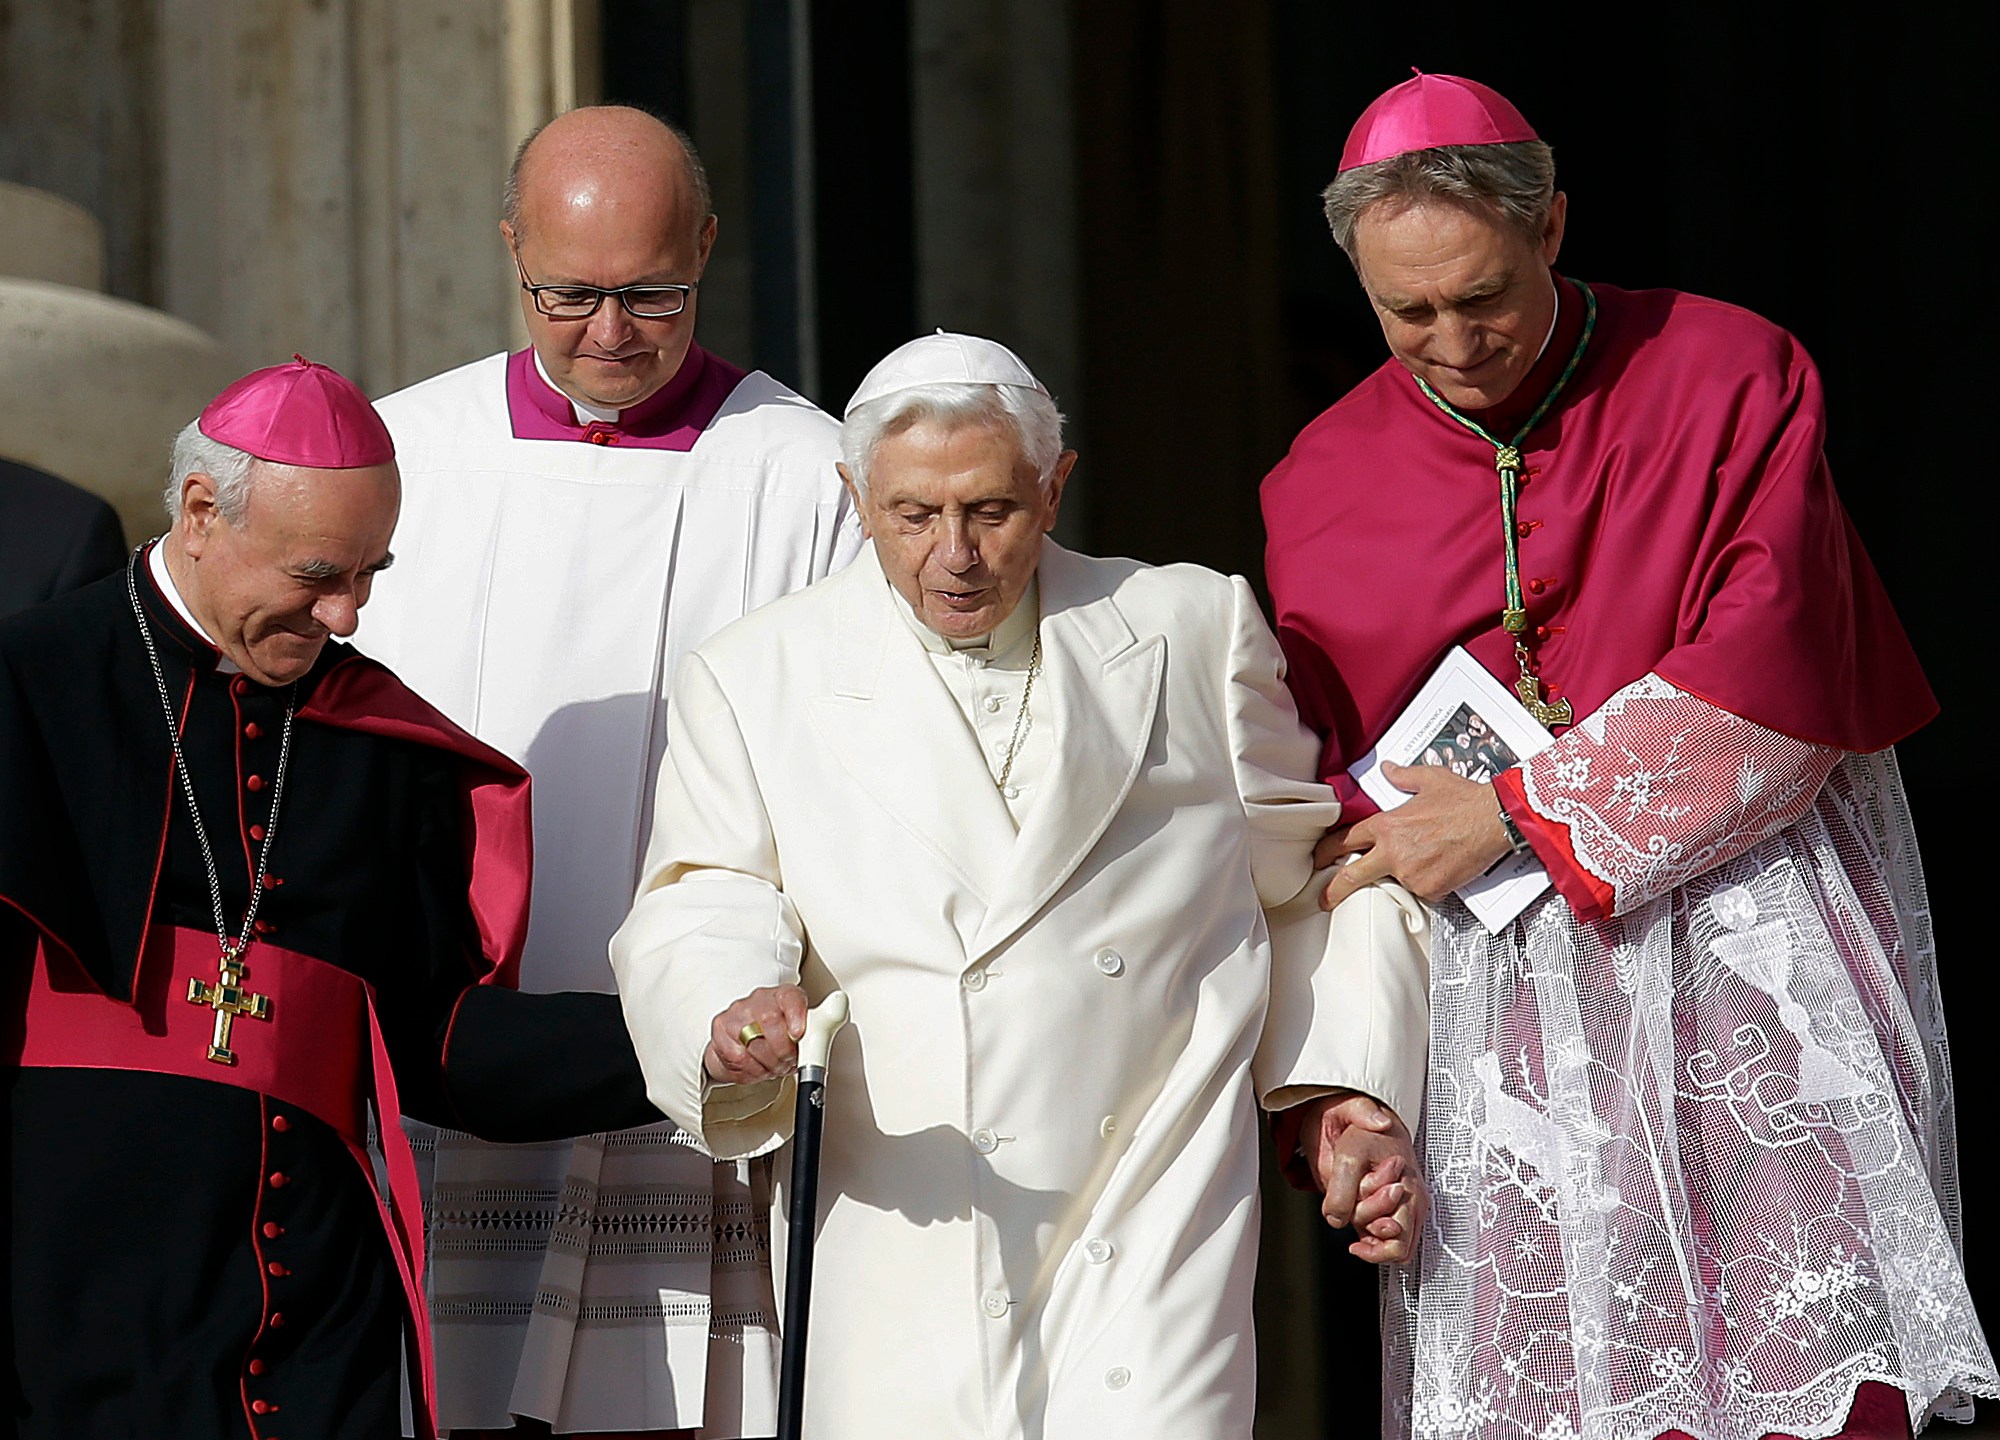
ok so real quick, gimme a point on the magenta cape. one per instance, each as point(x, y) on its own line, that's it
point(1677, 516)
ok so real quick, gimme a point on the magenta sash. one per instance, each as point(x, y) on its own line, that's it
point(321, 1051)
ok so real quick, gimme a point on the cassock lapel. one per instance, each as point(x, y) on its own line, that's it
point(1105, 687)
point(892, 725)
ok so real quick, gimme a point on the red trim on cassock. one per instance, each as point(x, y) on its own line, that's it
point(1588, 896)
point(361, 694)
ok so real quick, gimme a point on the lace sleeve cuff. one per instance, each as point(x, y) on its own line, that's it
point(1655, 787)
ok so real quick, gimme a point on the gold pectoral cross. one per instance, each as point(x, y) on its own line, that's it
point(228, 999)
point(1529, 688)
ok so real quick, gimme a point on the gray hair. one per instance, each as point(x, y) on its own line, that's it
point(227, 466)
point(1031, 416)
point(1515, 182)
point(697, 173)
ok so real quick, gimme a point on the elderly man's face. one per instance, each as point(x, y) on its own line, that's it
point(614, 359)
point(1465, 301)
point(271, 590)
point(957, 517)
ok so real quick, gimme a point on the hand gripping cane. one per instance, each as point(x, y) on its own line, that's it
point(822, 1024)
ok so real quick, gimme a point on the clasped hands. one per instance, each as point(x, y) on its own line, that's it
point(1360, 1156)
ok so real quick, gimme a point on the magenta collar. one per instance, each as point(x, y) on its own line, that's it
point(671, 418)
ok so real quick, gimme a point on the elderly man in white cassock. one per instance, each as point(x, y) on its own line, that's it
point(575, 516)
point(1048, 820)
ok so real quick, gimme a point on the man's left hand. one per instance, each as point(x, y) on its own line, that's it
point(1360, 1154)
point(1446, 833)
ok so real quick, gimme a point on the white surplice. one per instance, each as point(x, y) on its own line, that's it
point(542, 594)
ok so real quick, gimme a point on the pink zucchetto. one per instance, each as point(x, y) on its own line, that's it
point(1430, 111)
point(300, 413)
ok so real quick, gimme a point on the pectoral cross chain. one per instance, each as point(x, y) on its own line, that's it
point(228, 999)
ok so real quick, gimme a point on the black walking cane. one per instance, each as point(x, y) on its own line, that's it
point(822, 1024)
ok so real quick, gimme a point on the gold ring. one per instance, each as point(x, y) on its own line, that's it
point(752, 1031)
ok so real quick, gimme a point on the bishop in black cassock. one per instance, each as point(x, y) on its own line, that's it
point(202, 1243)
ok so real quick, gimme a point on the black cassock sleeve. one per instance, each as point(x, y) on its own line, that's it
point(492, 1061)
point(535, 1067)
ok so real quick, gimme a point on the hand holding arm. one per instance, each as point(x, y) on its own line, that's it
point(1447, 833)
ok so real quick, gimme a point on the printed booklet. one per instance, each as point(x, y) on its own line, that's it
point(1465, 719)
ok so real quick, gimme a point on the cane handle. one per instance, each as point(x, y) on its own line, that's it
point(823, 1022)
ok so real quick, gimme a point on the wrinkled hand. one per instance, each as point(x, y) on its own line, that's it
point(780, 1012)
point(1447, 833)
point(1361, 1156)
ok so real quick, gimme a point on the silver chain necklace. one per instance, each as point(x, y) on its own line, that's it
point(230, 949)
point(1021, 715)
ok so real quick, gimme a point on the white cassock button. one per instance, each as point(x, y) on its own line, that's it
point(985, 1141)
point(992, 703)
point(993, 1303)
point(1012, 792)
point(1108, 1126)
point(975, 980)
point(1110, 962)
point(1117, 1378)
point(1097, 1250)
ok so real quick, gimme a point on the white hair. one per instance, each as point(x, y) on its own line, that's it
point(227, 466)
point(1029, 414)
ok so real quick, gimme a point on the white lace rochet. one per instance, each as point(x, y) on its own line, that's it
point(1695, 1165)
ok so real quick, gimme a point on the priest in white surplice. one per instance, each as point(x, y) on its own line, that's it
point(575, 517)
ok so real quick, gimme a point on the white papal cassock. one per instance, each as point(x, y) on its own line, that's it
point(551, 568)
point(1038, 1203)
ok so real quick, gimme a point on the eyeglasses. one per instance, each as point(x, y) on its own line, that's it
point(580, 302)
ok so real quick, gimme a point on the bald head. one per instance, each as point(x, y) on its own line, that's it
point(601, 199)
point(606, 156)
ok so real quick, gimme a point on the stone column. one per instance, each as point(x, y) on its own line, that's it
point(332, 183)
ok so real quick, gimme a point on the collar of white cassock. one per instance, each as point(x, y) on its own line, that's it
point(999, 645)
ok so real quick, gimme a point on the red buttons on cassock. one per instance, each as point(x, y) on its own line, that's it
point(260, 1407)
point(281, 1123)
point(254, 731)
point(1541, 632)
point(256, 832)
point(277, 1319)
point(256, 1367)
point(1535, 587)
point(272, 1229)
point(241, 685)
point(276, 1269)
point(254, 784)
point(272, 882)
point(264, 927)
point(279, 1179)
